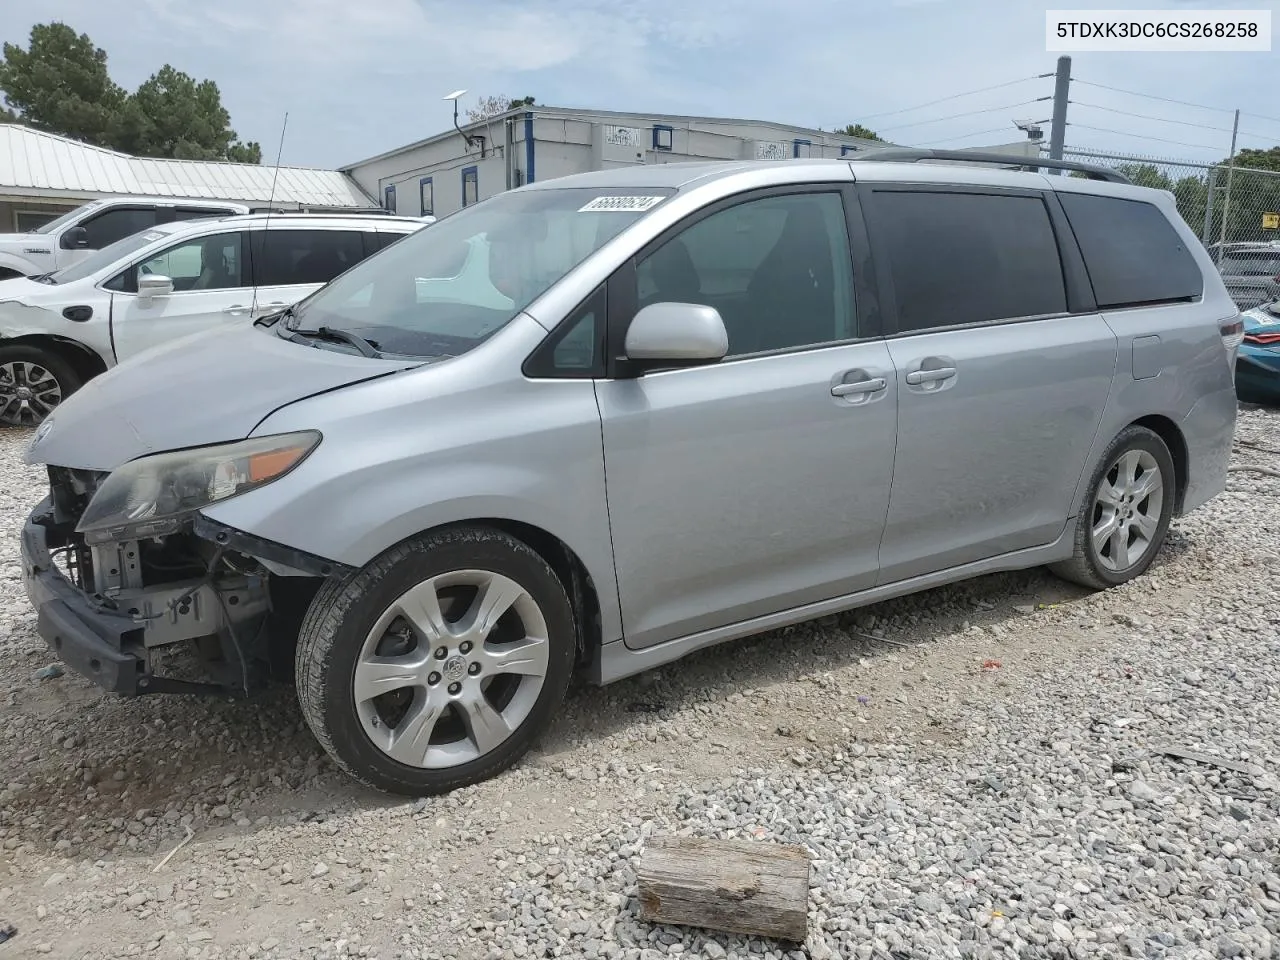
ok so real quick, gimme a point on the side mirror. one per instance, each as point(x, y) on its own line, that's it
point(154, 285)
point(676, 335)
point(74, 238)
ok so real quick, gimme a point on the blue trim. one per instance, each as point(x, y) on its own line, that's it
point(671, 142)
point(389, 198)
point(475, 177)
point(795, 146)
point(422, 207)
point(528, 147)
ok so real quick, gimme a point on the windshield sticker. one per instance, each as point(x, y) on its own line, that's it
point(620, 204)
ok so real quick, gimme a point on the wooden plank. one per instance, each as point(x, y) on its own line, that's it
point(1236, 766)
point(739, 886)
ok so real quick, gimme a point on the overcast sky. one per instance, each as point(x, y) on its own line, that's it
point(361, 76)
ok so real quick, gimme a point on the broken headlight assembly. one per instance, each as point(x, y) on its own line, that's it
point(153, 495)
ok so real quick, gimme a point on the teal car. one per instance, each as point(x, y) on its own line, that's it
point(1258, 362)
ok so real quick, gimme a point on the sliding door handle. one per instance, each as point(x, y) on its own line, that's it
point(916, 377)
point(873, 385)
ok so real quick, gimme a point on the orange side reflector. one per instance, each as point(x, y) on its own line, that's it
point(264, 466)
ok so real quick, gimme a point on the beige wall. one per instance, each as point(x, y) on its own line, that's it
point(10, 207)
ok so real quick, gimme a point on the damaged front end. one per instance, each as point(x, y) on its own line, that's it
point(121, 567)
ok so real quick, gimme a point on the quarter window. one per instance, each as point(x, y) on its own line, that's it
point(206, 263)
point(1132, 252)
point(777, 269)
point(958, 258)
point(289, 257)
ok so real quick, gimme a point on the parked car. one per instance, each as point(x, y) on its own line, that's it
point(74, 236)
point(58, 331)
point(1258, 365)
point(1251, 272)
point(681, 404)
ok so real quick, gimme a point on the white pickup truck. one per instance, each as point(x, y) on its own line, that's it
point(100, 223)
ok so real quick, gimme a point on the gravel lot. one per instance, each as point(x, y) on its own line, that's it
point(988, 781)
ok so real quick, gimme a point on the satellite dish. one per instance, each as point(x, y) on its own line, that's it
point(455, 95)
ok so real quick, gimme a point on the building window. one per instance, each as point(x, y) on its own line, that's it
point(470, 185)
point(427, 197)
point(26, 221)
point(389, 199)
point(801, 148)
point(662, 137)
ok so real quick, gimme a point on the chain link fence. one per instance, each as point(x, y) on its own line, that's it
point(1221, 204)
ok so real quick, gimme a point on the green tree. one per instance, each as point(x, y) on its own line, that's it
point(1259, 159)
point(60, 84)
point(171, 115)
point(858, 130)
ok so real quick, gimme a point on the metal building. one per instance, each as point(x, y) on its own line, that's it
point(43, 175)
point(441, 174)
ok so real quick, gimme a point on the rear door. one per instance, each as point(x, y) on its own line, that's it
point(760, 483)
point(210, 287)
point(291, 262)
point(1003, 367)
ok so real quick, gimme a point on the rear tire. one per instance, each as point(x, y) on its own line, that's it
point(437, 664)
point(1125, 514)
point(33, 381)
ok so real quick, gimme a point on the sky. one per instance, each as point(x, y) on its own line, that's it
point(358, 77)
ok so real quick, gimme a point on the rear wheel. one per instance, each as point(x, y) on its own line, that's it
point(1126, 514)
point(438, 664)
point(33, 381)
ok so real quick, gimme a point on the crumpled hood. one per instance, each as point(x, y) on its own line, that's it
point(211, 387)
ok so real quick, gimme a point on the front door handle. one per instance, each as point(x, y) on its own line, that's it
point(916, 377)
point(861, 386)
point(236, 309)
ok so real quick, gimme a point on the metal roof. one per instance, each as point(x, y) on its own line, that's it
point(35, 163)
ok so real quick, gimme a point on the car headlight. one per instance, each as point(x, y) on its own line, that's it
point(150, 495)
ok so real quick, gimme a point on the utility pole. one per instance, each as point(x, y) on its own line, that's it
point(1058, 131)
point(1226, 200)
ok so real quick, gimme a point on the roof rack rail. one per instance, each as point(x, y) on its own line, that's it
point(912, 155)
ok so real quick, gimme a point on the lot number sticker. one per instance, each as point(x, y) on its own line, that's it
point(620, 204)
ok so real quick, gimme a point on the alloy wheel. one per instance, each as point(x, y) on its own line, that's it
point(28, 393)
point(1127, 510)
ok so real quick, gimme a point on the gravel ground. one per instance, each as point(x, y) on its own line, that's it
point(989, 780)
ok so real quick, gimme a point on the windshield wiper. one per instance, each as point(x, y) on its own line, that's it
point(367, 348)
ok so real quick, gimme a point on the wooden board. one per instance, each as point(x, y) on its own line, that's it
point(739, 886)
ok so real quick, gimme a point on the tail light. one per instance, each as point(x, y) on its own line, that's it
point(1232, 336)
point(1262, 339)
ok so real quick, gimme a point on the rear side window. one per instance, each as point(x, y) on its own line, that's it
point(958, 258)
point(286, 257)
point(1132, 252)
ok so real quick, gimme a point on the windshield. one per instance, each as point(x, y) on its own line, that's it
point(1252, 264)
point(443, 290)
point(53, 225)
point(101, 259)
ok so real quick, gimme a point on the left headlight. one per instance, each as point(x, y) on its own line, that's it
point(144, 497)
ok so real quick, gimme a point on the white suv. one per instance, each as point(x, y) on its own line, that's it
point(75, 235)
point(59, 330)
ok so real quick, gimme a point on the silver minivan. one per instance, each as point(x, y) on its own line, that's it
point(600, 422)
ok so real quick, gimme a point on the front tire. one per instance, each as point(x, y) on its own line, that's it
point(437, 664)
point(1126, 512)
point(33, 381)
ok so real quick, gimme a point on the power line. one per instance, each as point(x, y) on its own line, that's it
point(1152, 96)
point(971, 113)
point(1139, 136)
point(1145, 116)
point(955, 96)
point(966, 136)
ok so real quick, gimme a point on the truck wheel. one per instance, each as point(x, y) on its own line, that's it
point(1126, 513)
point(33, 381)
point(437, 664)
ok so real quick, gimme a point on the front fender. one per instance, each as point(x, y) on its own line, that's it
point(10, 261)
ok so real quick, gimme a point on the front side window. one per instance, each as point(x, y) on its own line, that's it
point(116, 224)
point(67, 217)
point(205, 263)
point(106, 257)
point(958, 258)
point(777, 269)
point(289, 257)
point(446, 288)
